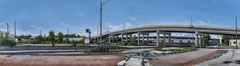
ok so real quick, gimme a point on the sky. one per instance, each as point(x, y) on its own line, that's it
point(77, 15)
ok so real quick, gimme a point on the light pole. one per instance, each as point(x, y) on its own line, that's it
point(101, 5)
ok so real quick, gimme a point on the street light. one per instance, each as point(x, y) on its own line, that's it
point(101, 5)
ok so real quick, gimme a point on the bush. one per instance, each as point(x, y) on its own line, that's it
point(101, 49)
point(33, 41)
point(7, 42)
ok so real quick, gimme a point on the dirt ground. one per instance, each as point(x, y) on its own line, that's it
point(91, 60)
point(186, 59)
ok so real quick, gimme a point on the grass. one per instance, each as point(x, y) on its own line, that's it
point(117, 50)
point(105, 51)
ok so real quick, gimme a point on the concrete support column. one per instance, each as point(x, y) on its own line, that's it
point(157, 39)
point(203, 44)
point(143, 39)
point(126, 38)
point(113, 38)
point(138, 38)
point(117, 38)
point(147, 38)
point(196, 40)
point(200, 41)
point(122, 38)
point(130, 38)
point(164, 40)
point(169, 39)
point(109, 39)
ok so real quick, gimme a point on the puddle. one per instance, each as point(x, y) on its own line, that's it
point(19, 56)
point(237, 61)
point(227, 62)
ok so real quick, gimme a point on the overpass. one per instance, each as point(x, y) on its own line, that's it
point(143, 32)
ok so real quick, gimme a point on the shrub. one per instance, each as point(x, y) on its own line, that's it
point(101, 49)
point(7, 42)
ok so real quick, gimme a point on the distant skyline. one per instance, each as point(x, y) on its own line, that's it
point(35, 15)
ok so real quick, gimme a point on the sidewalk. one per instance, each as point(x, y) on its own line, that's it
point(231, 58)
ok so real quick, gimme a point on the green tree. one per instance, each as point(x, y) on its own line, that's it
point(60, 36)
point(39, 39)
point(52, 37)
point(226, 39)
point(5, 40)
point(207, 38)
point(83, 38)
point(68, 41)
point(73, 42)
point(133, 40)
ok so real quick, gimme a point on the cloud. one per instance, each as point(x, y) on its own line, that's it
point(77, 29)
point(37, 27)
point(118, 27)
point(64, 25)
point(114, 27)
point(203, 22)
point(132, 18)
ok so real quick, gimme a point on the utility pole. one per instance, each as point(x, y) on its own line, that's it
point(7, 27)
point(40, 32)
point(101, 5)
point(15, 29)
point(108, 28)
point(236, 32)
point(191, 21)
point(100, 22)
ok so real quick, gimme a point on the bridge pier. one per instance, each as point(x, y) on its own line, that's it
point(169, 38)
point(122, 38)
point(143, 37)
point(143, 42)
point(126, 38)
point(203, 44)
point(117, 38)
point(196, 40)
point(114, 39)
point(199, 39)
point(109, 38)
point(163, 40)
point(148, 39)
point(157, 39)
